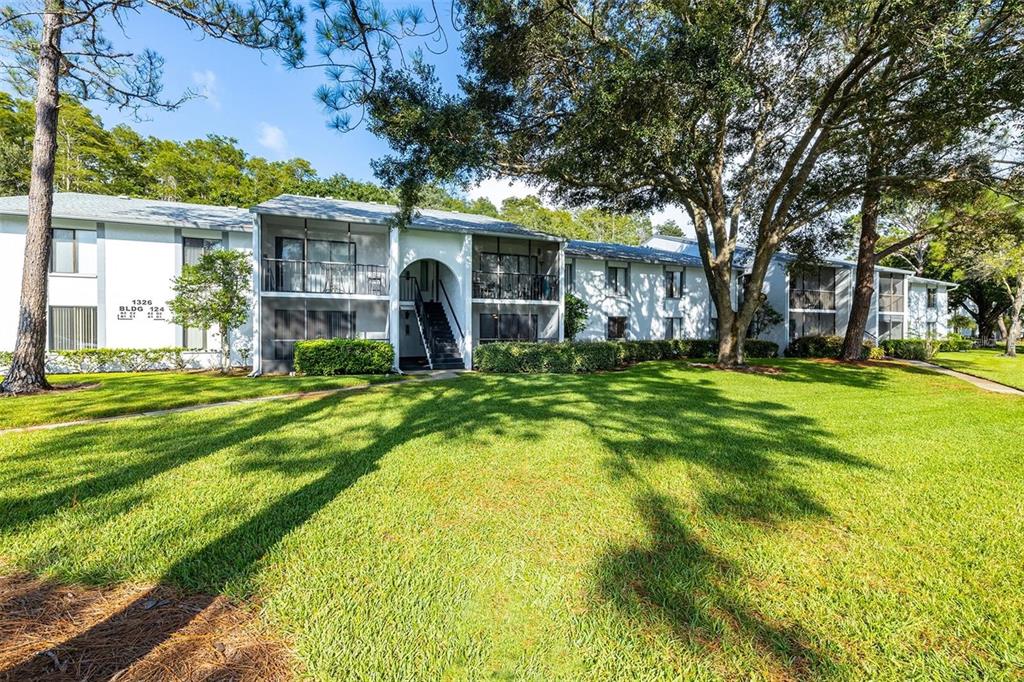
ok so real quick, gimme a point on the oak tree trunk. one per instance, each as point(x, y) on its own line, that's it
point(28, 367)
point(864, 286)
point(730, 344)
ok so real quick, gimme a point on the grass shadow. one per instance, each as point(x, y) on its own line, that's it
point(739, 451)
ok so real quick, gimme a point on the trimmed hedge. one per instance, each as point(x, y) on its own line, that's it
point(110, 359)
point(825, 347)
point(911, 349)
point(591, 356)
point(343, 356)
point(533, 358)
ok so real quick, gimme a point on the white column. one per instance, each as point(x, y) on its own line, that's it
point(393, 292)
point(785, 316)
point(467, 300)
point(561, 291)
point(257, 289)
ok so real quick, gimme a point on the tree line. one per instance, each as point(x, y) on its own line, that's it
point(216, 170)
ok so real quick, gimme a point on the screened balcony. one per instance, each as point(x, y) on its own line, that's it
point(324, 277)
point(525, 276)
point(523, 286)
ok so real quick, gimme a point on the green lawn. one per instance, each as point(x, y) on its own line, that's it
point(124, 393)
point(988, 364)
point(664, 522)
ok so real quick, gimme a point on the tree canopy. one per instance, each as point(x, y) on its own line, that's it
point(747, 114)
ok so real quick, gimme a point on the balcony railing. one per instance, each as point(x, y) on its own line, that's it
point(515, 285)
point(323, 277)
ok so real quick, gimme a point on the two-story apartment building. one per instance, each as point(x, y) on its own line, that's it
point(435, 289)
point(817, 300)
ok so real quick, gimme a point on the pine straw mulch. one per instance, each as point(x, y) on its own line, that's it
point(50, 631)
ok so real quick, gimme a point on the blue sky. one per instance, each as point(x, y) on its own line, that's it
point(250, 96)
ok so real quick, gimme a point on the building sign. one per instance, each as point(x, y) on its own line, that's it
point(141, 309)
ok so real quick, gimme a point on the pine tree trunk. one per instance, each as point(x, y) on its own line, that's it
point(28, 367)
point(1013, 334)
point(864, 287)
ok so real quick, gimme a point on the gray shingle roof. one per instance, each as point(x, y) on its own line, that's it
point(296, 206)
point(644, 254)
point(111, 209)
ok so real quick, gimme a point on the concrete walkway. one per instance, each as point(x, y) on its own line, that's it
point(983, 384)
point(424, 375)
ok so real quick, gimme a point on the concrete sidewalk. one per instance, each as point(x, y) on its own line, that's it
point(983, 384)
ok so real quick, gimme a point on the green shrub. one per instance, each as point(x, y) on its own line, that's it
point(343, 356)
point(825, 347)
point(956, 343)
point(701, 348)
point(593, 356)
point(815, 347)
point(560, 358)
point(759, 348)
point(119, 359)
point(6, 357)
point(911, 349)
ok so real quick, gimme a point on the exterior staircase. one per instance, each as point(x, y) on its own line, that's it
point(444, 351)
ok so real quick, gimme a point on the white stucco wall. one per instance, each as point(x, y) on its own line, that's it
point(129, 284)
point(776, 288)
point(919, 314)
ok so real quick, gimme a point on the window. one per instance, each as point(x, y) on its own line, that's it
point(890, 292)
point(193, 248)
point(890, 327)
point(616, 328)
point(72, 327)
point(326, 251)
point(298, 325)
point(194, 339)
point(811, 324)
point(570, 276)
point(813, 289)
point(318, 250)
point(933, 298)
point(931, 330)
point(618, 280)
point(675, 283)
point(508, 263)
point(507, 327)
point(73, 251)
point(674, 328)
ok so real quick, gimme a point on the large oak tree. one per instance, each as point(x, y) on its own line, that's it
point(741, 112)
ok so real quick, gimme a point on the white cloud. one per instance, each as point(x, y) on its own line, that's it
point(273, 138)
point(206, 82)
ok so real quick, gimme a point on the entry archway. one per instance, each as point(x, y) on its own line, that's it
point(431, 331)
